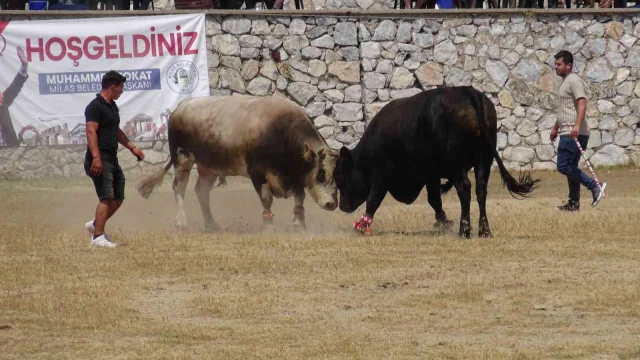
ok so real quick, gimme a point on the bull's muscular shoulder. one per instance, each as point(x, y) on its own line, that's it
point(242, 108)
point(243, 118)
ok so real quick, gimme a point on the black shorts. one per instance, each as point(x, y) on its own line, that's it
point(110, 184)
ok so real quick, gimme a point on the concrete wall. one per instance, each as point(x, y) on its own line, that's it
point(343, 69)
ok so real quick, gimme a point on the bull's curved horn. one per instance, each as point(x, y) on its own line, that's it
point(308, 154)
point(333, 153)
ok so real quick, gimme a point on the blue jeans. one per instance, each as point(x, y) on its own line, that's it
point(568, 159)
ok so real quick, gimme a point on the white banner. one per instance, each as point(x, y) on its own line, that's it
point(163, 58)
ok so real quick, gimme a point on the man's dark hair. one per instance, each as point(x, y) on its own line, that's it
point(566, 56)
point(112, 78)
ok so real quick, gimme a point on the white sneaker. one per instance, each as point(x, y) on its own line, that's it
point(598, 194)
point(90, 228)
point(102, 241)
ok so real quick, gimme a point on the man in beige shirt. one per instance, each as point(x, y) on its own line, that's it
point(572, 106)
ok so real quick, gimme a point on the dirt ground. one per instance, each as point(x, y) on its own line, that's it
point(547, 285)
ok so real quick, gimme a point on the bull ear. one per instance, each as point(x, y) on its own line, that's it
point(345, 153)
point(308, 154)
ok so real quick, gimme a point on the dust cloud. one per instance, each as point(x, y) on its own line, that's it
point(68, 204)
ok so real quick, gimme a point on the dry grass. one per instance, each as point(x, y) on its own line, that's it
point(547, 285)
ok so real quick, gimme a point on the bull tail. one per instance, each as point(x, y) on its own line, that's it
point(222, 181)
point(526, 184)
point(146, 186)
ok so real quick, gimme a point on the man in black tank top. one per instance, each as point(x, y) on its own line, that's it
point(101, 159)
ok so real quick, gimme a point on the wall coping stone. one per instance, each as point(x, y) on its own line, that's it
point(397, 13)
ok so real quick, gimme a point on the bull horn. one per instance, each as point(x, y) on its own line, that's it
point(308, 154)
point(333, 153)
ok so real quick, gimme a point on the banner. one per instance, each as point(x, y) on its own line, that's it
point(163, 58)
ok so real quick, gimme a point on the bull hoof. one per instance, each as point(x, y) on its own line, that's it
point(181, 221)
point(268, 229)
point(443, 226)
point(363, 226)
point(484, 233)
point(211, 228)
point(362, 230)
point(298, 224)
point(297, 227)
point(465, 229)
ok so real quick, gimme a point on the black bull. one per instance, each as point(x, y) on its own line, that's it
point(414, 142)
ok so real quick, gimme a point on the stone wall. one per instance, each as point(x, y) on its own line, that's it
point(343, 69)
point(67, 161)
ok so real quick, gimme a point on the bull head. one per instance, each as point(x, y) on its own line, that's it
point(319, 180)
point(351, 182)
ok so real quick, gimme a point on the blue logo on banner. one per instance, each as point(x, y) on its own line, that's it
point(91, 81)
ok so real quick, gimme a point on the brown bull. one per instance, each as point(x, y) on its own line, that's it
point(269, 140)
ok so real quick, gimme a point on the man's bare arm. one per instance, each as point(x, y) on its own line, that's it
point(92, 139)
point(124, 140)
point(581, 105)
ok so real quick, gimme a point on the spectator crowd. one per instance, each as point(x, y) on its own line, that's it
point(279, 4)
point(81, 4)
point(506, 4)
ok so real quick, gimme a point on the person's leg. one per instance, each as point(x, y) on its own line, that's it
point(112, 208)
point(118, 190)
point(565, 164)
point(590, 183)
point(574, 182)
point(104, 186)
point(585, 180)
point(568, 160)
point(105, 190)
point(113, 195)
point(563, 160)
point(102, 213)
